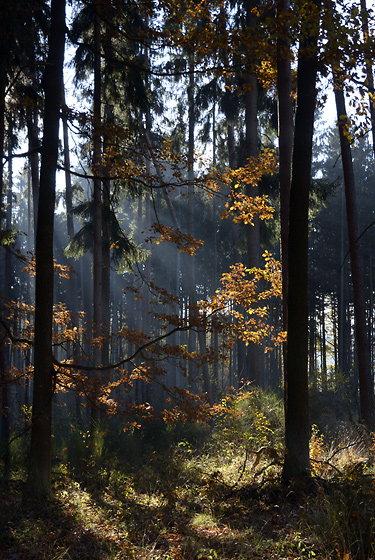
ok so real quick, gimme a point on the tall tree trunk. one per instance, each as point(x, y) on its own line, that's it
point(192, 343)
point(4, 348)
point(106, 247)
point(97, 217)
point(255, 354)
point(73, 280)
point(39, 477)
point(215, 280)
point(3, 85)
point(285, 130)
point(297, 420)
point(363, 351)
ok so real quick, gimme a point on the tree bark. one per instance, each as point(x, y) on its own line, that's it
point(297, 420)
point(366, 388)
point(285, 131)
point(39, 477)
point(4, 49)
point(97, 226)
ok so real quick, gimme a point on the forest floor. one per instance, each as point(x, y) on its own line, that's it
point(205, 501)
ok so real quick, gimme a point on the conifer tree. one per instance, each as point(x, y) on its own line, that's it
point(39, 476)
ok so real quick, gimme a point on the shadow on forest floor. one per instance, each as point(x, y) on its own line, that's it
point(179, 506)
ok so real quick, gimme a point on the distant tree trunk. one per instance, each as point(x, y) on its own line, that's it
point(73, 280)
point(28, 353)
point(334, 305)
point(342, 297)
point(254, 368)
point(39, 476)
point(97, 199)
point(146, 326)
point(4, 348)
point(106, 242)
point(312, 345)
point(33, 141)
point(323, 344)
point(363, 351)
point(191, 291)
point(369, 71)
point(3, 86)
point(192, 343)
point(215, 335)
point(240, 344)
point(285, 130)
point(297, 420)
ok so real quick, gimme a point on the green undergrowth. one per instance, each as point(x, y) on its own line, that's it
point(197, 493)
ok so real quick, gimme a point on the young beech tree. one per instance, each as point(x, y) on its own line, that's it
point(249, 289)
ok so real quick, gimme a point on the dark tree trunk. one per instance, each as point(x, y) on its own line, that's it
point(39, 477)
point(297, 420)
point(106, 251)
point(97, 200)
point(285, 126)
point(363, 350)
point(4, 349)
point(3, 85)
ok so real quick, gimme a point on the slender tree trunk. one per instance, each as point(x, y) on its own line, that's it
point(97, 199)
point(312, 345)
point(73, 280)
point(285, 129)
point(3, 85)
point(5, 350)
point(369, 72)
point(188, 276)
point(254, 369)
point(297, 420)
point(33, 141)
point(323, 344)
point(215, 280)
point(146, 326)
point(39, 477)
point(240, 344)
point(363, 351)
point(192, 343)
point(106, 243)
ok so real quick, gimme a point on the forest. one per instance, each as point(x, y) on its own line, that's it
point(187, 327)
